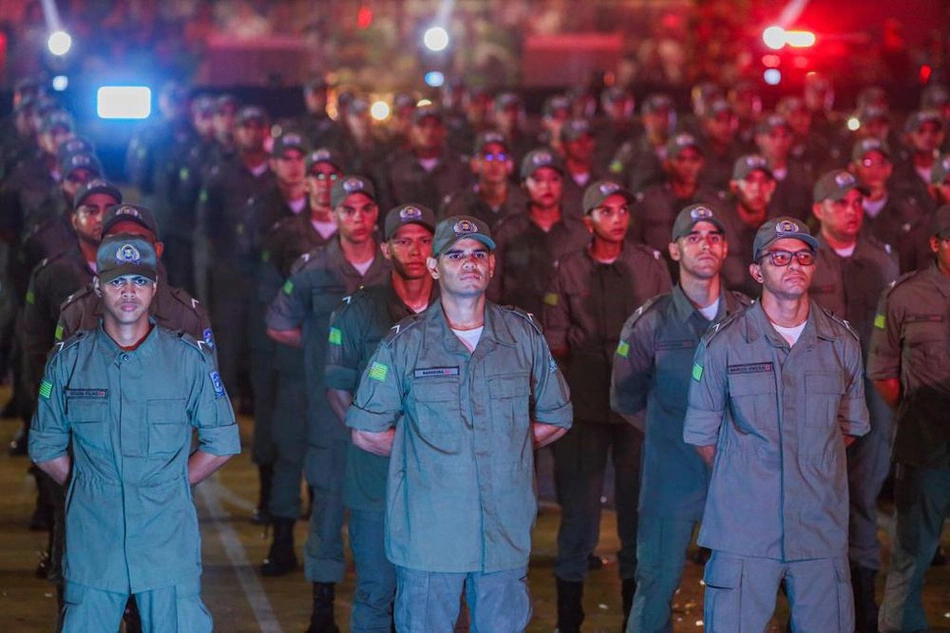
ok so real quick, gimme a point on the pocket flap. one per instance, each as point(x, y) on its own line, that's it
point(824, 382)
point(509, 386)
point(723, 573)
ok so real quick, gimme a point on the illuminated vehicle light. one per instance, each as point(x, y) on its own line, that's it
point(854, 124)
point(771, 60)
point(800, 39)
point(124, 102)
point(379, 110)
point(772, 76)
point(800, 62)
point(774, 37)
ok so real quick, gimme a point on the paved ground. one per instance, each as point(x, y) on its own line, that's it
point(242, 601)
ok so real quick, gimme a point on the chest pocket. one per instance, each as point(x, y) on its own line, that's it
point(167, 427)
point(927, 343)
point(438, 418)
point(752, 399)
point(89, 419)
point(509, 403)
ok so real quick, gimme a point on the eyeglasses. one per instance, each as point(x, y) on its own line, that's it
point(325, 176)
point(784, 258)
point(499, 156)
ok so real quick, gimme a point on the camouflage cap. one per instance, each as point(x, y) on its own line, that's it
point(129, 212)
point(407, 214)
point(597, 192)
point(692, 215)
point(835, 185)
point(781, 228)
point(538, 158)
point(94, 186)
point(122, 254)
point(450, 230)
point(749, 163)
point(349, 185)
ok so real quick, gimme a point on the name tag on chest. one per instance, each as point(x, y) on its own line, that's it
point(435, 372)
point(87, 393)
point(750, 368)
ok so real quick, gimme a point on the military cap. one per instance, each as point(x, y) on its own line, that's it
point(349, 185)
point(940, 170)
point(94, 186)
point(488, 138)
point(555, 103)
point(538, 158)
point(460, 227)
point(788, 104)
point(407, 214)
point(870, 96)
point(941, 222)
point(325, 155)
point(507, 100)
point(778, 229)
point(226, 101)
point(122, 254)
point(917, 119)
point(131, 212)
point(81, 160)
point(656, 101)
point(574, 129)
point(769, 123)
point(692, 215)
point(251, 113)
point(835, 185)
point(680, 142)
point(870, 113)
point(934, 96)
point(614, 94)
point(749, 163)
point(202, 104)
point(597, 192)
point(866, 145)
point(286, 142)
point(717, 107)
point(56, 118)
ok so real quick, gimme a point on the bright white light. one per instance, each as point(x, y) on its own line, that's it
point(800, 39)
point(774, 37)
point(124, 102)
point(379, 110)
point(421, 103)
point(60, 83)
point(854, 124)
point(436, 38)
point(434, 78)
point(772, 76)
point(59, 43)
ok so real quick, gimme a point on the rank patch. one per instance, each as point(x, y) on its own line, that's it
point(208, 337)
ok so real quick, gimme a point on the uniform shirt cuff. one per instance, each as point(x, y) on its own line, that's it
point(343, 378)
point(562, 416)
point(45, 446)
point(363, 420)
point(220, 440)
point(883, 367)
point(701, 428)
point(279, 322)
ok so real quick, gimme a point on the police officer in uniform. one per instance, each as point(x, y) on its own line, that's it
point(493, 197)
point(357, 327)
point(530, 242)
point(300, 314)
point(459, 395)
point(640, 160)
point(852, 272)
point(131, 525)
point(908, 365)
point(593, 291)
point(649, 386)
point(773, 138)
point(776, 393)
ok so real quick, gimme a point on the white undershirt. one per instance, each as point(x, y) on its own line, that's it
point(296, 206)
point(790, 334)
point(362, 267)
point(710, 311)
point(581, 179)
point(428, 164)
point(873, 207)
point(923, 172)
point(848, 251)
point(325, 229)
point(780, 174)
point(260, 169)
point(469, 338)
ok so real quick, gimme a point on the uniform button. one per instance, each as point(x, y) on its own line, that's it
point(125, 357)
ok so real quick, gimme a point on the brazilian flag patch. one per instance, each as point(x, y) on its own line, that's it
point(288, 287)
point(46, 389)
point(697, 372)
point(336, 336)
point(879, 321)
point(550, 298)
point(58, 335)
point(378, 371)
point(623, 349)
point(30, 297)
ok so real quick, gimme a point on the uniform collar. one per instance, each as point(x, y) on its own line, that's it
point(111, 350)
point(818, 325)
point(337, 261)
point(941, 281)
point(683, 308)
point(395, 304)
point(437, 330)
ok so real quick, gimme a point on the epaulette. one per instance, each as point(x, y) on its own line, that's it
point(76, 296)
point(741, 298)
point(184, 298)
point(905, 277)
point(304, 259)
point(70, 342)
point(842, 322)
point(650, 305)
point(406, 324)
point(194, 343)
point(721, 326)
point(527, 316)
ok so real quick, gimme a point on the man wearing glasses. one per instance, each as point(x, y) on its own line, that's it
point(492, 198)
point(776, 394)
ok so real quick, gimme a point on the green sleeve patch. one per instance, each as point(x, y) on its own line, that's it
point(378, 371)
point(623, 349)
point(60, 330)
point(30, 297)
point(288, 287)
point(265, 256)
point(336, 336)
point(879, 321)
point(550, 298)
point(697, 372)
point(46, 389)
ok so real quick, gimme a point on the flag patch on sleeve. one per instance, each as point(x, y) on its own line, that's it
point(879, 321)
point(378, 371)
point(46, 389)
point(697, 372)
point(288, 287)
point(623, 349)
point(336, 336)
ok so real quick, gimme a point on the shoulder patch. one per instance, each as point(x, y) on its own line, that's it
point(70, 342)
point(650, 305)
point(406, 324)
point(527, 316)
point(842, 322)
point(900, 280)
point(721, 326)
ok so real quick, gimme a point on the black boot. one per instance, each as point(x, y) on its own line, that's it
point(131, 617)
point(321, 620)
point(261, 514)
point(865, 608)
point(629, 588)
point(570, 606)
point(281, 558)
